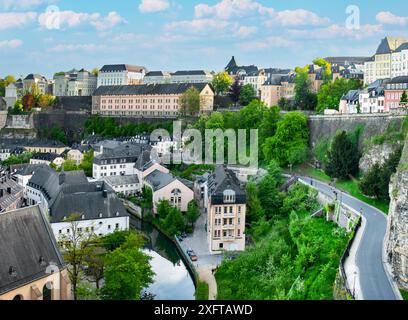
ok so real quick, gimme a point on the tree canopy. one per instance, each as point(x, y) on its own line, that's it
point(221, 82)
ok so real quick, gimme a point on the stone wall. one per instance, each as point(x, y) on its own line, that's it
point(397, 231)
point(377, 154)
point(327, 126)
point(3, 119)
point(20, 122)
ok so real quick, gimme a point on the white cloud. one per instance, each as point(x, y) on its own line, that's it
point(226, 9)
point(269, 42)
point(245, 31)
point(338, 31)
point(10, 44)
point(386, 17)
point(198, 25)
point(71, 19)
point(299, 17)
point(23, 4)
point(77, 47)
point(108, 22)
point(10, 20)
point(153, 5)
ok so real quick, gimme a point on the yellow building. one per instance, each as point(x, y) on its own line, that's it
point(148, 100)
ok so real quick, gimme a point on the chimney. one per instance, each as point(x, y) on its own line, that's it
point(105, 193)
point(101, 149)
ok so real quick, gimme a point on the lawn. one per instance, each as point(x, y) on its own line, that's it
point(349, 186)
point(202, 290)
point(404, 294)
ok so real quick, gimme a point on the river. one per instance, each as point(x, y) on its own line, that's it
point(172, 280)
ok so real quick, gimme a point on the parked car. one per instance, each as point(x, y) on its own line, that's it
point(189, 251)
point(193, 256)
point(184, 235)
point(179, 238)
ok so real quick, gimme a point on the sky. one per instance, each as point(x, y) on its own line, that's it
point(47, 36)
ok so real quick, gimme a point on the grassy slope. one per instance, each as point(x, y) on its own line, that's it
point(202, 290)
point(350, 187)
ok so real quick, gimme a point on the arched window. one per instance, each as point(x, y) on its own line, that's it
point(176, 197)
point(47, 291)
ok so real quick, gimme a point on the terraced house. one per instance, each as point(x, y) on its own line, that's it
point(226, 212)
point(148, 100)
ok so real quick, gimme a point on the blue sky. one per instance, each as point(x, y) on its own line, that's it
point(46, 36)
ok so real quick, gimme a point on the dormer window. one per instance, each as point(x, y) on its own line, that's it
point(100, 215)
point(229, 196)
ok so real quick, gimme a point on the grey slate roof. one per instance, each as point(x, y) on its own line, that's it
point(154, 74)
point(122, 67)
point(121, 180)
point(223, 179)
point(47, 181)
point(87, 199)
point(403, 46)
point(26, 169)
point(402, 79)
point(189, 73)
point(48, 156)
point(70, 192)
point(352, 95)
point(148, 89)
point(159, 180)
point(25, 238)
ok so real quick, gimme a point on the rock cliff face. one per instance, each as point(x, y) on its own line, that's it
point(397, 233)
point(376, 154)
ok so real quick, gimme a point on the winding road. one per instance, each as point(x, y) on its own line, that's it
point(375, 282)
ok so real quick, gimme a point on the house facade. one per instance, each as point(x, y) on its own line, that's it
point(154, 100)
point(167, 187)
point(61, 195)
point(31, 266)
point(393, 92)
point(226, 212)
point(120, 75)
point(381, 64)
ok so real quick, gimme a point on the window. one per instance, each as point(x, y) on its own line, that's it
point(229, 196)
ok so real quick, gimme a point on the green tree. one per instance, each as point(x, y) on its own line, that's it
point(190, 102)
point(127, 271)
point(221, 82)
point(87, 163)
point(175, 222)
point(327, 72)
point(163, 209)
point(375, 183)
point(70, 165)
point(404, 97)
point(77, 246)
point(330, 93)
point(192, 213)
point(247, 94)
point(255, 210)
point(292, 133)
point(305, 99)
point(268, 191)
point(343, 157)
point(283, 103)
point(235, 90)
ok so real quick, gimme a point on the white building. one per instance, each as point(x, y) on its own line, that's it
point(38, 81)
point(75, 83)
point(11, 95)
point(62, 195)
point(399, 61)
point(191, 76)
point(120, 74)
point(380, 66)
point(165, 186)
point(157, 77)
point(125, 185)
point(256, 80)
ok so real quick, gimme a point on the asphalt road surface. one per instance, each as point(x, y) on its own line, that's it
point(374, 281)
